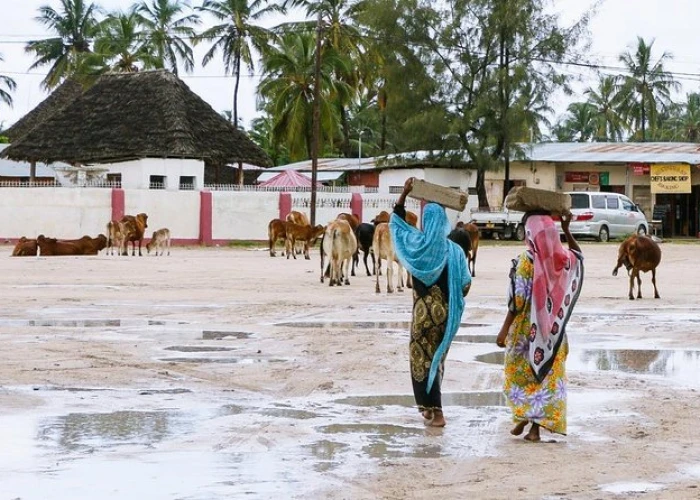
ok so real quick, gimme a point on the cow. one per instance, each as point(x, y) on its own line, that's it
point(463, 239)
point(351, 219)
point(298, 218)
point(134, 230)
point(160, 240)
point(276, 230)
point(383, 248)
point(115, 237)
point(639, 253)
point(473, 231)
point(383, 216)
point(83, 246)
point(25, 247)
point(340, 244)
point(301, 234)
point(364, 234)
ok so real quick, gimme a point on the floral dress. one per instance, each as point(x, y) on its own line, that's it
point(543, 403)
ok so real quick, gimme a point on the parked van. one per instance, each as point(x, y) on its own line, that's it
point(605, 215)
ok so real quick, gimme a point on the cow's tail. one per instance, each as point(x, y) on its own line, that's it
point(109, 234)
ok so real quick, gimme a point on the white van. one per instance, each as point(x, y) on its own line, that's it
point(605, 215)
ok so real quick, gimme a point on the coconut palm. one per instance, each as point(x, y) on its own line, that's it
point(579, 125)
point(647, 89)
point(683, 123)
point(120, 43)
point(73, 27)
point(610, 124)
point(168, 32)
point(235, 36)
point(9, 84)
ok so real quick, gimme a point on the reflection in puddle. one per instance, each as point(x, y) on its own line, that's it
point(467, 399)
point(288, 413)
point(476, 339)
point(241, 361)
point(677, 364)
point(77, 431)
point(218, 335)
point(198, 348)
point(62, 323)
point(381, 440)
point(622, 488)
point(328, 454)
point(363, 325)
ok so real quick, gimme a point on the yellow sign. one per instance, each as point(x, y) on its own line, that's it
point(670, 178)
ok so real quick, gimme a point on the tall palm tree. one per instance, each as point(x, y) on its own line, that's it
point(9, 84)
point(579, 125)
point(647, 89)
point(73, 27)
point(235, 36)
point(684, 122)
point(169, 32)
point(610, 124)
point(288, 84)
point(120, 43)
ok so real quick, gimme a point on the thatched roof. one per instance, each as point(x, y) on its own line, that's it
point(65, 94)
point(151, 114)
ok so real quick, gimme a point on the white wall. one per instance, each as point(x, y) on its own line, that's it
point(241, 215)
point(136, 174)
point(178, 211)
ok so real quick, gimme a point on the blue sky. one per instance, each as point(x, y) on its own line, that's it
point(614, 30)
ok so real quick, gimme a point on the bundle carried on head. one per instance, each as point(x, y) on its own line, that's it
point(527, 199)
point(447, 197)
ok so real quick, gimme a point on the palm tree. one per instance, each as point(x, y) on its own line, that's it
point(288, 84)
point(579, 125)
point(684, 122)
point(647, 90)
point(610, 125)
point(9, 84)
point(235, 36)
point(120, 44)
point(168, 32)
point(74, 26)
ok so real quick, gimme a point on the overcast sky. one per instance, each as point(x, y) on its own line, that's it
point(614, 30)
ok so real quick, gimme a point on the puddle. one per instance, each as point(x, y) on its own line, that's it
point(288, 413)
point(675, 364)
point(363, 325)
point(62, 323)
point(327, 453)
point(476, 339)
point(242, 361)
point(198, 348)
point(467, 399)
point(219, 335)
point(623, 488)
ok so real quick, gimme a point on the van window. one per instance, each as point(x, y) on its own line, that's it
point(613, 202)
point(579, 200)
point(598, 201)
point(628, 206)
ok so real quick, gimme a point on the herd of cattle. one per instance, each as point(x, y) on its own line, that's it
point(129, 229)
point(344, 238)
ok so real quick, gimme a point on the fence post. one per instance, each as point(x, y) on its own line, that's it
point(205, 218)
point(117, 203)
point(285, 205)
point(356, 205)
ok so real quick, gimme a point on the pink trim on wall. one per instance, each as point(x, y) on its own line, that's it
point(285, 205)
point(205, 217)
point(117, 203)
point(356, 205)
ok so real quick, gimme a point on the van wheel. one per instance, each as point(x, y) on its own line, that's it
point(520, 232)
point(604, 234)
point(642, 230)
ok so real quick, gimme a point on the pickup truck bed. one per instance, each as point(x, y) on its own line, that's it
point(502, 224)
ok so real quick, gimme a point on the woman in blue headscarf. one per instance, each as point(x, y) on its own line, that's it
point(441, 279)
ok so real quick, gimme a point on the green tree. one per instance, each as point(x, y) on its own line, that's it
point(120, 43)
point(683, 124)
point(10, 86)
point(236, 35)
point(73, 27)
point(606, 98)
point(579, 125)
point(169, 32)
point(646, 92)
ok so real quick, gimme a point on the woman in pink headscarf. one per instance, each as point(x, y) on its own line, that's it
point(545, 282)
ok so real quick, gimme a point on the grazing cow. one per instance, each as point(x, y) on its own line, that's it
point(276, 230)
point(301, 234)
point(160, 240)
point(134, 230)
point(350, 219)
point(364, 234)
point(383, 216)
point(340, 244)
point(25, 247)
point(83, 246)
point(115, 237)
point(639, 253)
point(298, 218)
point(384, 249)
point(473, 231)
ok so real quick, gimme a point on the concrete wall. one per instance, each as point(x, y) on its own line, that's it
point(240, 215)
point(176, 210)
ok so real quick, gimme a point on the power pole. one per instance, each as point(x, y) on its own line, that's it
point(316, 120)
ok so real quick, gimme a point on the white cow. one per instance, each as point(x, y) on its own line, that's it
point(340, 244)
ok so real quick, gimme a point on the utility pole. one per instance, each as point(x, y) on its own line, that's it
point(316, 120)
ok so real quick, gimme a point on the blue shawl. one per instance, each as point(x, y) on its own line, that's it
point(425, 254)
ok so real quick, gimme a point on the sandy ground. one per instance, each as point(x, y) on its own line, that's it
point(631, 435)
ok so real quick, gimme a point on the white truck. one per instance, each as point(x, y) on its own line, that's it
point(499, 224)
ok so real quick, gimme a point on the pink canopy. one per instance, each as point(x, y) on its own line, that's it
point(288, 178)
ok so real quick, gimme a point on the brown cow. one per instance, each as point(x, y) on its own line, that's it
point(384, 216)
point(473, 231)
point(340, 244)
point(351, 219)
point(134, 229)
point(298, 218)
point(83, 246)
point(276, 230)
point(159, 241)
point(301, 234)
point(383, 248)
point(25, 247)
point(639, 253)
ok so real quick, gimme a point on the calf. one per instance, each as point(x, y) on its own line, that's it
point(473, 231)
point(276, 230)
point(134, 230)
point(306, 234)
point(115, 237)
point(25, 247)
point(340, 244)
point(364, 234)
point(160, 240)
point(298, 218)
point(639, 254)
point(384, 249)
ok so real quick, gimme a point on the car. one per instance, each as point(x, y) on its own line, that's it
point(604, 216)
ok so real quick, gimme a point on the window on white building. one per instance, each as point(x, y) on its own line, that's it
point(157, 182)
point(187, 183)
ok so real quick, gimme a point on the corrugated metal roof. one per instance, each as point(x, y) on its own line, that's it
point(9, 168)
point(614, 152)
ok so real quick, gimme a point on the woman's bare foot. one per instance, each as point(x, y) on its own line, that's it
point(438, 419)
point(519, 428)
point(534, 434)
point(427, 414)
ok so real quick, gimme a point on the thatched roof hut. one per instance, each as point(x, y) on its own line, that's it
point(123, 117)
point(65, 94)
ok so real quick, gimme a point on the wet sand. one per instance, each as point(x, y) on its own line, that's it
point(225, 373)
